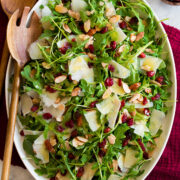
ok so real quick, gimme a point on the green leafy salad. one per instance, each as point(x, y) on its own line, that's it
point(92, 98)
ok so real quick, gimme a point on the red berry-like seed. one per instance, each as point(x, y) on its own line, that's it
point(65, 48)
point(111, 68)
point(91, 48)
point(102, 144)
point(107, 130)
point(120, 82)
point(141, 145)
point(50, 89)
point(80, 172)
point(150, 73)
point(104, 30)
point(145, 101)
point(70, 78)
point(142, 55)
point(125, 142)
point(130, 121)
point(160, 79)
point(122, 104)
point(71, 156)
point(93, 104)
point(60, 128)
point(53, 178)
point(113, 45)
point(34, 108)
point(109, 82)
point(124, 118)
point(123, 25)
point(74, 133)
point(156, 97)
point(73, 40)
point(70, 124)
point(133, 21)
point(102, 153)
point(146, 111)
point(47, 116)
point(64, 174)
point(145, 155)
point(22, 133)
point(90, 65)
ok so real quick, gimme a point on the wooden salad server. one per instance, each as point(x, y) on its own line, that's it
point(9, 7)
point(18, 38)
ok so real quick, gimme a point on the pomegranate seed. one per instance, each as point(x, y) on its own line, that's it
point(102, 144)
point(109, 82)
point(34, 108)
point(133, 21)
point(120, 82)
point(90, 65)
point(74, 133)
point(156, 97)
point(60, 128)
point(71, 156)
point(104, 30)
point(119, 169)
point(70, 124)
point(47, 116)
point(145, 101)
point(123, 25)
point(73, 40)
point(124, 118)
point(102, 153)
point(22, 133)
point(150, 73)
point(64, 174)
point(111, 68)
point(142, 55)
point(122, 104)
point(91, 48)
point(53, 178)
point(160, 79)
point(130, 121)
point(125, 142)
point(50, 89)
point(80, 172)
point(119, 3)
point(145, 155)
point(146, 111)
point(113, 45)
point(106, 130)
point(70, 78)
point(93, 104)
point(65, 48)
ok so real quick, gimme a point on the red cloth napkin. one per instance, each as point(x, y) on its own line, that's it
point(168, 168)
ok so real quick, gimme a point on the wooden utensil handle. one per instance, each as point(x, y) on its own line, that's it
point(11, 124)
point(3, 64)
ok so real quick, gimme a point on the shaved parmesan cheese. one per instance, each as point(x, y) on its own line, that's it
point(91, 117)
point(150, 63)
point(156, 121)
point(62, 177)
point(139, 128)
point(40, 149)
point(110, 10)
point(117, 89)
point(78, 5)
point(112, 115)
point(63, 42)
point(120, 71)
point(46, 11)
point(34, 51)
point(114, 177)
point(88, 172)
point(130, 158)
point(26, 104)
point(121, 160)
point(121, 36)
point(30, 132)
point(105, 106)
point(79, 69)
point(140, 105)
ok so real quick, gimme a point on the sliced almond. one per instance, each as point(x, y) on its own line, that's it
point(87, 25)
point(148, 50)
point(156, 83)
point(75, 82)
point(139, 36)
point(82, 139)
point(36, 100)
point(66, 28)
point(127, 18)
point(58, 100)
point(101, 3)
point(74, 15)
point(107, 93)
point(91, 32)
point(91, 41)
point(61, 9)
point(80, 121)
point(79, 141)
point(132, 37)
point(76, 91)
point(98, 28)
point(114, 19)
point(126, 88)
point(53, 141)
point(115, 165)
point(60, 79)
point(91, 56)
point(67, 145)
point(88, 13)
point(104, 65)
point(136, 98)
point(148, 90)
point(61, 107)
point(112, 139)
point(135, 86)
point(109, 26)
point(45, 65)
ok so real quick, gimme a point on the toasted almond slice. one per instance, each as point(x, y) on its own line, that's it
point(74, 15)
point(58, 100)
point(91, 56)
point(76, 91)
point(88, 13)
point(148, 90)
point(135, 86)
point(87, 25)
point(114, 19)
point(36, 100)
point(61, 9)
point(82, 139)
point(67, 145)
point(80, 121)
point(148, 50)
point(104, 65)
point(91, 32)
point(60, 79)
point(91, 41)
point(53, 141)
point(126, 88)
point(127, 18)
point(156, 83)
point(132, 37)
point(98, 28)
point(136, 98)
point(61, 107)
point(139, 36)
point(107, 93)
point(66, 28)
point(76, 143)
point(75, 82)
point(111, 139)
point(45, 65)
point(115, 165)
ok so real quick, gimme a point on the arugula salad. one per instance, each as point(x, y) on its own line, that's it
point(92, 98)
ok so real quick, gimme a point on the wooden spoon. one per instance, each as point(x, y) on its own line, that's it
point(9, 7)
point(18, 38)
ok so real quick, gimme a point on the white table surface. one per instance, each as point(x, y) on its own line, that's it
point(163, 11)
point(166, 11)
